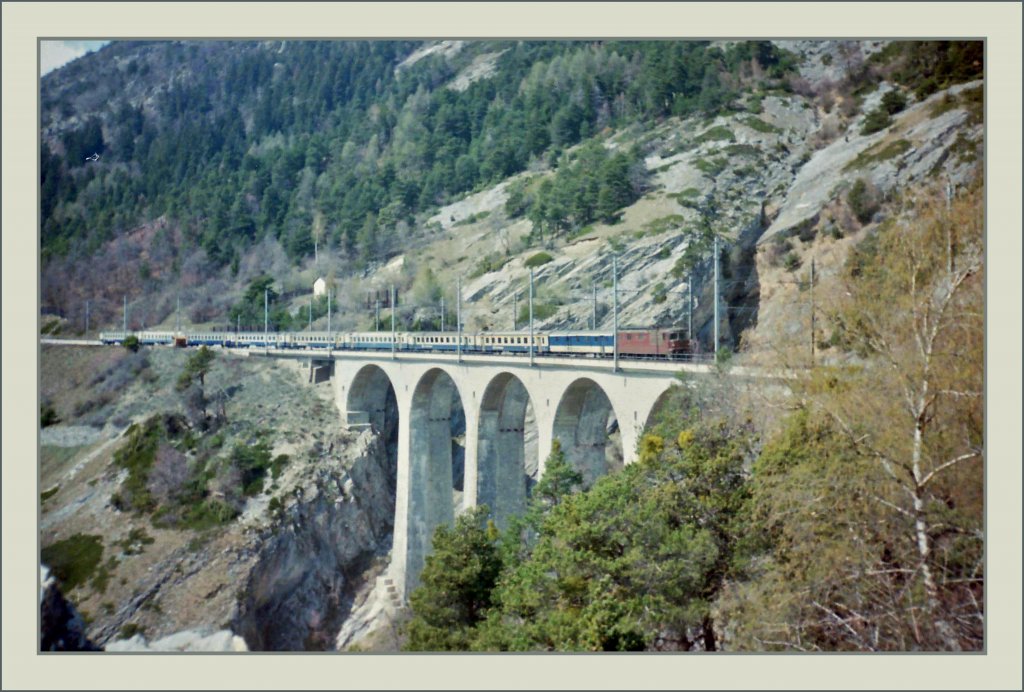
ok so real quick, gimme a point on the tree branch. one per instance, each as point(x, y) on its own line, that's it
point(931, 474)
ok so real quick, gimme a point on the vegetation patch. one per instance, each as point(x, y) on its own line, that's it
point(130, 629)
point(74, 560)
point(491, 262)
point(537, 260)
point(760, 125)
point(719, 133)
point(661, 225)
point(965, 149)
point(862, 200)
point(747, 150)
point(541, 311)
point(879, 153)
point(659, 294)
point(47, 494)
point(473, 218)
point(136, 540)
point(711, 168)
point(47, 415)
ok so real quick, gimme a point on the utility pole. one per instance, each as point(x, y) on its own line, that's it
point(715, 345)
point(593, 319)
point(376, 310)
point(458, 316)
point(531, 316)
point(812, 312)
point(310, 313)
point(689, 308)
point(515, 310)
point(393, 356)
point(615, 314)
point(238, 323)
point(949, 226)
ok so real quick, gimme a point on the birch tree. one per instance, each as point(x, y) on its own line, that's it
point(913, 309)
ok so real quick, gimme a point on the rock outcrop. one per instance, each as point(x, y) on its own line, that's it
point(310, 566)
point(62, 627)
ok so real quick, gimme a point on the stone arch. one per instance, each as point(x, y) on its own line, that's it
point(659, 405)
point(585, 422)
point(436, 404)
point(506, 448)
point(371, 401)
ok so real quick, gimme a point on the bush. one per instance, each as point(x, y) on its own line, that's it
point(719, 133)
point(541, 258)
point(130, 629)
point(875, 121)
point(47, 416)
point(131, 342)
point(760, 125)
point(74, 560)
point(861, 200)
point(541, 311)
point(894, 101)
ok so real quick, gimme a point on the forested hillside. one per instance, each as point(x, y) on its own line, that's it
point(216, 157)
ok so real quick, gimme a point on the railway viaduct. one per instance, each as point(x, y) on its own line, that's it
point(505, 402)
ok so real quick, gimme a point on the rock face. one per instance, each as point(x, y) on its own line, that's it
point(189, 640)
point(62, 627)
point(309, 569)
point(928, 139)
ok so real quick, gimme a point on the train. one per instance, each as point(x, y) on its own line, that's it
point(658, 343)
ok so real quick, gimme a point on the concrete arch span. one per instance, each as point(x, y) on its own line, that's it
point(434, 486)
point(371, 401)
point(586, 425)
point(506, 448)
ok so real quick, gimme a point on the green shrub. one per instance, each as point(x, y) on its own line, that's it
point(541, 311)
point(47, 416)
point(719, 133)
point(861, 201)
point(876, 121)
point(131, 342)
point(661, 225)
point(879, 153)
point(74, 560)
point(711, 168)
point(47, 494)
point(134, 542)
point(791, 261)
point(137, 455)
point(277, 466)
point(209, 514)
point(537, 260)
point(760, 125)
point(489, 263)
point(659, 293)
point(253, 462)
point(894, 101)
point(130, 629)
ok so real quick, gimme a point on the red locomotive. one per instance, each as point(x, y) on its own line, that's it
point(656, 343)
